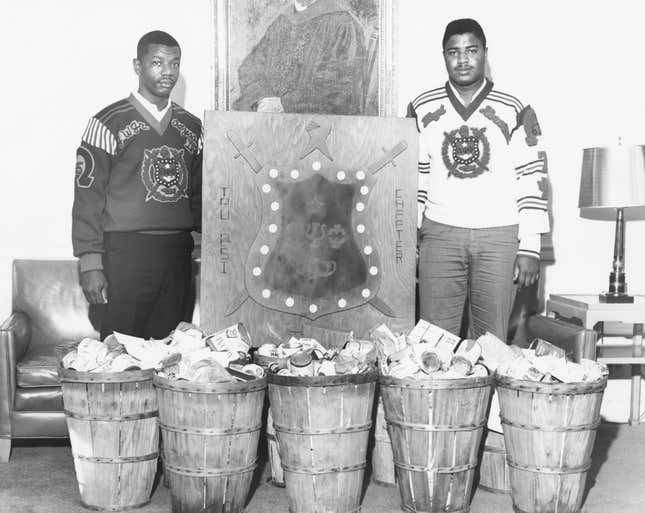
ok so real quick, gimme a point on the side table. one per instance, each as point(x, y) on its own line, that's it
point(589, 312)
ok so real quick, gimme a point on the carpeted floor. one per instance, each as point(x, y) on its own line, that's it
point(41, 479)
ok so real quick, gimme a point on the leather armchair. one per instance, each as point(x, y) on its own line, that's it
point(576, 341)
point(49, 314)
point(526, 324)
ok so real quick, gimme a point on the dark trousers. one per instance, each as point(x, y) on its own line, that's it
point(149, 283)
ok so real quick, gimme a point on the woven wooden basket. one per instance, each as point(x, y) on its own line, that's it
point(210, 438)
point(112, 422)
point(549, 432)
point(436, 428)
point(323, 424)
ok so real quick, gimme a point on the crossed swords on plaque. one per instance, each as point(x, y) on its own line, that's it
point(318, 135)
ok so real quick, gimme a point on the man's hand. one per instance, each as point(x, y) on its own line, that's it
point(94, 286)
point(270, 104)
point(526, 270)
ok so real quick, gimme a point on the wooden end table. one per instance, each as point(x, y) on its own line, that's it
point(589, 312)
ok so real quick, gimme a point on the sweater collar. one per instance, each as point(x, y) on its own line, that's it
point(478, 98)
point(156, 113)
point(160, 124)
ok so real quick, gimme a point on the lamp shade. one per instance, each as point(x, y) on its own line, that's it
point(612, 177)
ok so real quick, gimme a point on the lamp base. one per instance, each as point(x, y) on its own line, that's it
point(615, 298)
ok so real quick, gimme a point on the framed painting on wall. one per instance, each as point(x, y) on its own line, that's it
point(305, 56)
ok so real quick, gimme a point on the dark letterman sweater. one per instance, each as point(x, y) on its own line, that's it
point(134, 173)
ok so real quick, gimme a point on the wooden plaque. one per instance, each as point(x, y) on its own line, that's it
point(309, 224)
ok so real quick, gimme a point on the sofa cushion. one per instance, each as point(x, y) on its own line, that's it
point(38, 399)
point(38, 424)
point(38, 367)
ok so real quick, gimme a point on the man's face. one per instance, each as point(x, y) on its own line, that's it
point(158, 71)
point(465, 59)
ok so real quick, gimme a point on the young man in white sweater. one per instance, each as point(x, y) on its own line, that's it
point(482, 191)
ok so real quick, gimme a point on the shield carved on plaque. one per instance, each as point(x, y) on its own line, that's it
point(309, 221)
point(312, 255)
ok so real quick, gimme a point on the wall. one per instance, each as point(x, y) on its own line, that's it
point(63, 61)
point(576, 63)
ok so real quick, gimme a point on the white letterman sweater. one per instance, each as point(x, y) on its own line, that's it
point(482, 165)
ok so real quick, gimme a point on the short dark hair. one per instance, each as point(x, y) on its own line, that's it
point(463, 26)
point(156, 37)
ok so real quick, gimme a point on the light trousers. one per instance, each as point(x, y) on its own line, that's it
point(467, 264)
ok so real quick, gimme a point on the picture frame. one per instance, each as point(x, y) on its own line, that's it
point(242, 25)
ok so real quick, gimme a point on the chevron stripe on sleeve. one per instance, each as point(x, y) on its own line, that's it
point(535, 166)
point(423, 187)
point(532, 203)
point(427, 96)
point(98, 135)
point(531, 195)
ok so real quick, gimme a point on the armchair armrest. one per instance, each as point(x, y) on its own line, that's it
point(577, 341)
point(15, 335)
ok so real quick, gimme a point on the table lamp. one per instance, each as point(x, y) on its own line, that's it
point(613, 183)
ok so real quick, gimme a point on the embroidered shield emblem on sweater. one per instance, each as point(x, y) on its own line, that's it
point(164, 174)
point(466, 152)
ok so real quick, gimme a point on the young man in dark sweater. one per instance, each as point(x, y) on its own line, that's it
point(137, 197)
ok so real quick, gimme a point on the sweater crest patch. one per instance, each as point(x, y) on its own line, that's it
point(490, 113)
point(164, 174)
point(130, 130)
point(433, 116)
point(192, 139)
point(466, 152)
